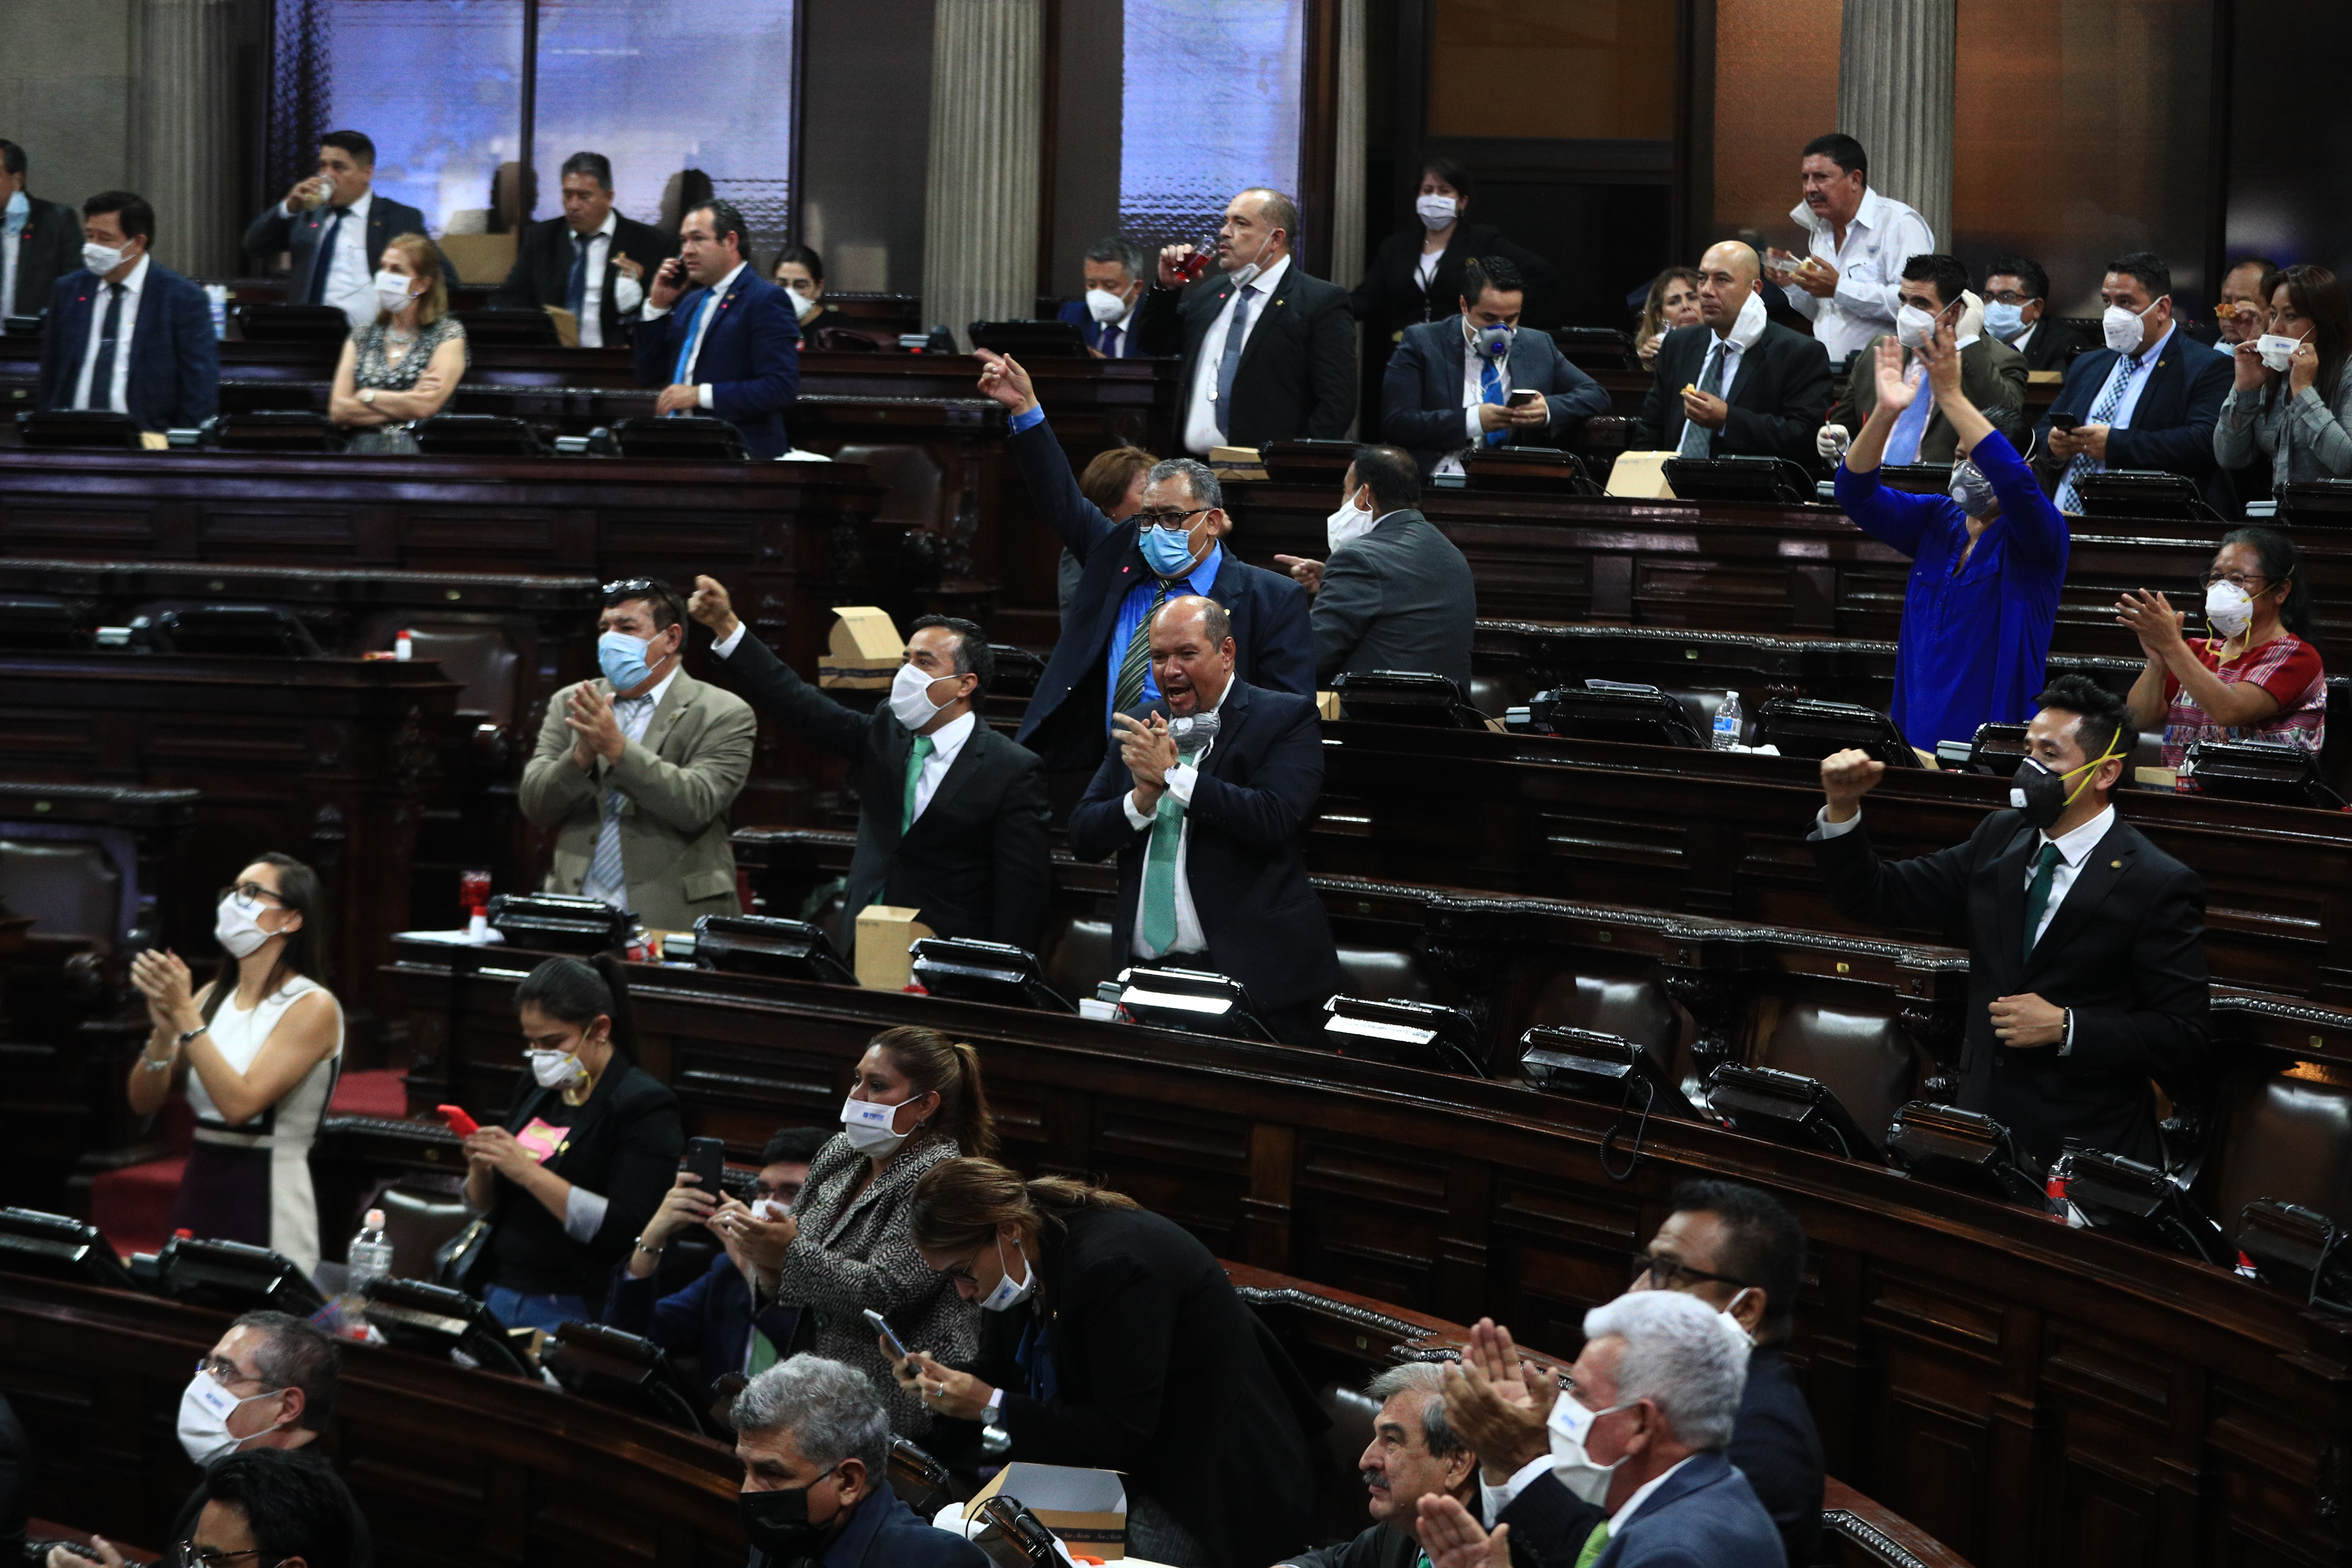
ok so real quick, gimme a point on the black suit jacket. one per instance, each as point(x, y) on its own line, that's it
point(622, 1143)
point(48, 248)
point(1273, 642)
point(541, 274)
point(1778, 1449)
point(302, 233)
point(1151, 1347)
point(976, 862)
point(173, 383)
point(1421, 396)
point(2053, 346)
point(1297, 374)
point(1780, 394)
point(2171, 424)
point(1244, 858)
point(2126, 951)
point(750, 358)
point(1390, 298)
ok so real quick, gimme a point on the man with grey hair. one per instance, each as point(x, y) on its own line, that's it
point(1116, 269)
point(1174, 546)
point(814, 1442)
point(1640, 1441)
point(1269, 352)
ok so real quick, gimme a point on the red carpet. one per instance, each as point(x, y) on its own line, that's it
point(133, 1205)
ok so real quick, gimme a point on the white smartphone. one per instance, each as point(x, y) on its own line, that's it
point(881, 1325)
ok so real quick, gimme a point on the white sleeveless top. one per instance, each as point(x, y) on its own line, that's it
point(288, 1128)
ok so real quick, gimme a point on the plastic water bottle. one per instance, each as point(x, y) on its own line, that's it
point(1726, 724)
point(370, 1259)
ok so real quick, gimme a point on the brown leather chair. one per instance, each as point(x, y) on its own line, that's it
point(1383, 974)
point(1076, 956)
point(1631, 1008)
point(912, 485)
point(1495, 694)
point(2289, 1139)
point(1864, 1058)
point(70, 888)
point(478, 657)
point(416, 1220)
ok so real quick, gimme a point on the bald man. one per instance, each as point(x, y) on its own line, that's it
point(1735, 386)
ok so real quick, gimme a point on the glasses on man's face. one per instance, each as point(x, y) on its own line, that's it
point(1171, 520)
point(2010, 297)
point(783, 1192)
point(250, 892)
point(1673, 1274)
point(2252, 582)
point(225, 1372)
point(188, 1554)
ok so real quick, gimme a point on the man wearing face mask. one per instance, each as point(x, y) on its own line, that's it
point(591, 261)
point(1990, 557)
point(2017, 303)
point(1117, 271)
point(2086, 942)
point(635, 772)
point(1992, 374)
point(951, 818)
point(40, 241)
point(2147, 400)
point(1269, 352)
point(125, 334)
point(1637, 1450)
point(1474, 381)
point(1736, 385)
point(1396, 594)
point(816, 1449)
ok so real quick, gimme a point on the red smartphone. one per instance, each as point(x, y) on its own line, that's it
point(463, 1125)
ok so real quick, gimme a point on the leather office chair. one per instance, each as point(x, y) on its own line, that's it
point(478, 657)
point(71, 889)
point(1076, 956)
point(2289, 1139)
point(1864, 1058)
point(912, 485)
point(1631, 1008)
point(1383, 974)
point(416, 1220)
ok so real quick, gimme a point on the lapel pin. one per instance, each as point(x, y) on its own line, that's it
point(2116, 865)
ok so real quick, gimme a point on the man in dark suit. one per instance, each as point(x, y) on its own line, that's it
point(1396, 594)
point(2086, 943)
point(1116, 272)
point(2017, 302)
point(1269, 352)
point(2149, 400)
point(952, 815)
point(1441, 399)
point(1175, 545)
point(1992, 374)
point(1736, 385)
point(728, 344)
point(1208, 825)
point(40, 241)
point(336, 226)
point(135, 337)
point(592, 261)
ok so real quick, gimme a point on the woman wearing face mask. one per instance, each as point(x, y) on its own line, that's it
point(1112, 1338)
point(407, 366)
point(1672, 303)
point(257, 1049)
point(578, 1165)
point(2293, 396)
point(2256, 678)
point(801, 271)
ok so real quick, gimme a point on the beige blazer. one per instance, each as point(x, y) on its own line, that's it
point(676, 786)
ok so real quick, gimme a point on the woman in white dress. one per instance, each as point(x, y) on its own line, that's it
point(258, 1049)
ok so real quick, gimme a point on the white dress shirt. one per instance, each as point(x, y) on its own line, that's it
point(1201, 428)
point(19, 212)
point(946, 740)
point(112, 396)
point(351, 271)
point(592, 304)
point(709, 316)
point(1884, 235)
point(1182, 780)
point(636, 716)
point(1497, 1498)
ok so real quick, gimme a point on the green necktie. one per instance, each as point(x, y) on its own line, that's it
point(764, 1354)
point(1594, 1546)
point(2037, 893)
point(922, 749)
point(1136, 661)
point(1156, 917)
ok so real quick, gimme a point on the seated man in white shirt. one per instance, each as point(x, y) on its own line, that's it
point(332, 226)
point(590, 260)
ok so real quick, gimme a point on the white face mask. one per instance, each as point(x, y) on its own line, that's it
point(1105, 306)
point(1749, 325)
point(2277, 349)
point(205, 1409)
point(238, 929)
point(772, 1210)
point(2124, 330)
point(1913, 328)
point(1241, 276)
point(1347, 525)
point(911, 697)
point(555, 1069)
point(1008, 1295)
point(1570, 1423)
point(101, 258)
point(1732, 1323)
point(1435, 212)
point(391, 291)
point(869, 1128)
point(2228, 608)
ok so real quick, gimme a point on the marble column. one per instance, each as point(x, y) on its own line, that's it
point(1894, 96)
point(979, 212)
point(183, 151)
point(1348, 192)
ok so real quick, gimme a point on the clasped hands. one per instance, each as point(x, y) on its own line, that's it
point(1147, 749)
point(595, 728)
point(1502, 1406)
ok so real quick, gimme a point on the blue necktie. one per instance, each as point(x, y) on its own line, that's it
point(1109, 344)
point(693, 337)
point(102, 375)
point(322, 261)
point(1903, 441)
point(1235, 332)
point(575, 295)
point(1490, 390)
point(2102, 412)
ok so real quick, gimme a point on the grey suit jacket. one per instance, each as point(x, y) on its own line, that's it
point(1401, 597)
point(677, 785)
point(1992, 375)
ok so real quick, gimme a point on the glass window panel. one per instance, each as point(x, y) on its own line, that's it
point(1212, 107)
point(666, 87)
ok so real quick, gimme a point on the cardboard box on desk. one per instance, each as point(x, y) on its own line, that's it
point(1087, 1510)
point(885, 933)
point(867, 650)
point(1641, 475)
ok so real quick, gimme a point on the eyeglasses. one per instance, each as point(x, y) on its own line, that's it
point(1171, 520)
point(248, 893)
point(2011, 297)
point(2249, 582)
point(188, 1554)
point(1672, 1274)
point(225, 1372)
point(634, 586)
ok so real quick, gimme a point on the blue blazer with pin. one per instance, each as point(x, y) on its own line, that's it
point(750, 357)
point(173, 381)
point(1422, 391)
point(2172, 427)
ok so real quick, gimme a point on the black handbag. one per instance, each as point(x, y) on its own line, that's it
point(462, 1261)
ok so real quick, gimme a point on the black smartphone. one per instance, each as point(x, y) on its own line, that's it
point(2065, 421)
point(706, 1161)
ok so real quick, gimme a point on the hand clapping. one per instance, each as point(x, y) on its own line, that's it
point(1149, 751)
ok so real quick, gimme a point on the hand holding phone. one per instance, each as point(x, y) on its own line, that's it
point(706, 1161)
point(1522, 398)
point(881, 1326)
point(462, 1124)
point(2065, 421)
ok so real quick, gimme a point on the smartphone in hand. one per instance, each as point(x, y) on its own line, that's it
point(706, 1161)
point(1523, 398)
point(2065, 421)
point(881, 1325)
point(463, 1125)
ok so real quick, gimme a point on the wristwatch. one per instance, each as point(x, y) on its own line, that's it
point(367, 395)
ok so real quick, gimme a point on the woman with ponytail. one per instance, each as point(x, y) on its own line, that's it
point(844, 1247)
point(583, 1156)
point(1111, 1339)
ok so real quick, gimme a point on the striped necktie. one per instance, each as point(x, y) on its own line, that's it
point(1699, 441)
point(2102, 412)
point(1135, 663)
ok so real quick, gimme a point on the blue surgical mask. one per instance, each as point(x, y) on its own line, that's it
point(1166, 552)
point(623, 659)
point(2003, 320)
point(19, 210)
